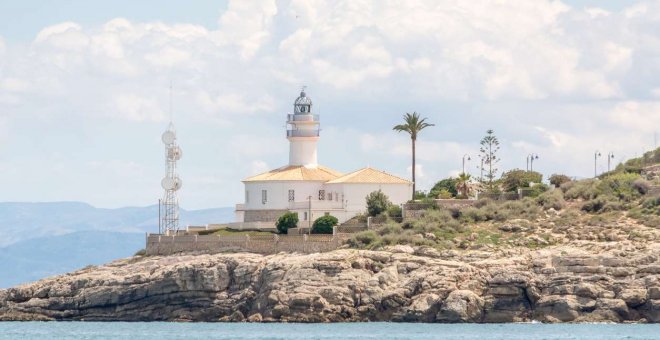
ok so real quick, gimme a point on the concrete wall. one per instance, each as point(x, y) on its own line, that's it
point(166, 245)
point(262, 215)
point(278, 193)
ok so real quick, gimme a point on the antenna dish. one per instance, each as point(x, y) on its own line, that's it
point(168, 137)
point(174, 153)
point(171, 183)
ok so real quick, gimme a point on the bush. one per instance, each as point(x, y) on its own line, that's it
point(596, 204)
point(447, 185)
point(584, 189)
point(324, 224)
point(551, 199)
point(515, 179)
point(364, 239)
point(557, 180)
point(141, 252)
point(621, 186)
point(377, 202)
point(287, 221)
point(444, 194)
point(641, 185)
point(394, 211)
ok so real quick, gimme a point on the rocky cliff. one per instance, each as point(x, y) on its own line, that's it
point(556, 284)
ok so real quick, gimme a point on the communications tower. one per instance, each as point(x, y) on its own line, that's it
point(171, 183)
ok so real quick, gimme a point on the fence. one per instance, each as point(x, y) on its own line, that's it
point(264, 244)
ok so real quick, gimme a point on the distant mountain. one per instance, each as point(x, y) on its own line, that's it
point(21, 221)
point(43, 239)
point(36, 258)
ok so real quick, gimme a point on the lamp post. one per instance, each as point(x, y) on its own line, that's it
point(468, 158)
point(610, 156)
point(596, 155)
point(530, 161)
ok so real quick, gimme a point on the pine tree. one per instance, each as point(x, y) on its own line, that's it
point(490, 145)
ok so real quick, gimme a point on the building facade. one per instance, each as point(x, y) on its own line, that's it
point(312, 190)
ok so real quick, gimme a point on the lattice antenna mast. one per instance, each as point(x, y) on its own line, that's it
point(171, 183)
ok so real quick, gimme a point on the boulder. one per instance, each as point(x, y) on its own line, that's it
point(461, 306)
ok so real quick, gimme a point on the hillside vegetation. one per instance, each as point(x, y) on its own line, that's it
point(621, 206)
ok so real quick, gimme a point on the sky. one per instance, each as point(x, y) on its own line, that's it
point(84, 89)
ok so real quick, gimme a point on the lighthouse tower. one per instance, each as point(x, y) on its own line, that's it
point(302, 133)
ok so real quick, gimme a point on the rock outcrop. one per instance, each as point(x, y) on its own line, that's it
point(555, 284)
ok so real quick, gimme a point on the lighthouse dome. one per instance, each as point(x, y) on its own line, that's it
point(303, 104)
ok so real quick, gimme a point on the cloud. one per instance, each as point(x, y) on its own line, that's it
point(552, 79)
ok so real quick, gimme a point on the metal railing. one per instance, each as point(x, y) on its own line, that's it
point(302, 118)
point(302, 133)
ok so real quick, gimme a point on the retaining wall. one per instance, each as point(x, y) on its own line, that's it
point(266, 244)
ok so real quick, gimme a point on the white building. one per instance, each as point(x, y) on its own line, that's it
point(312, 190)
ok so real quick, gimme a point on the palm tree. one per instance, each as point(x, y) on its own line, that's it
point(413, 125)
point(462, 184)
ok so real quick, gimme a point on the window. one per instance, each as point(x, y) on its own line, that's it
point(292, 195)
point(305, 216)
point(264, 196)
point(327, 214)
point(336, 197)
point(247, 196)
point(329, 196)
point(321, 195)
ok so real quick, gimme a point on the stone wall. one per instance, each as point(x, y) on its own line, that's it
point(263, 215)
point(266, 244)
point(417, 210)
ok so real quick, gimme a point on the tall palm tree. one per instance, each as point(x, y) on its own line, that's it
point(462, 184)
point(413, 125)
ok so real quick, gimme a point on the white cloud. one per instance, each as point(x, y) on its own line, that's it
point(247, 24)
point(136, 108)
point(551, 79)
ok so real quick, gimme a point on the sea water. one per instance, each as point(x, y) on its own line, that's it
point(377, 330)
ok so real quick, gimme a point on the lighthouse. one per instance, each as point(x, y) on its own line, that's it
point(307, 188)
point(303, 133)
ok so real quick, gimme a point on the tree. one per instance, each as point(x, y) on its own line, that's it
point(444, 185)
point(324, 224)
point(287, 221)
point(515, 179)
point(489, 147)
point(463, 184)
point(557, 179)
point(413, 125)
point(377, 202)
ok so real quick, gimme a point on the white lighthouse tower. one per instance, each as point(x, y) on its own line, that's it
point(303, 133)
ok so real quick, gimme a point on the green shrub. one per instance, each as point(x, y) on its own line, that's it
point(445, 185)
point(377, 202)
point(364, 239)
point(557, 179)
point(514, 179)
point(621, 186)
point(287, 221)
point(444, 194)
point(584, 189)
point(394, 211)
point(324, 224)
point(551, 199)
point(141, 252)
point(601, 204)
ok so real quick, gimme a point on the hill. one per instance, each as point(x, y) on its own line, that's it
point(45, 239)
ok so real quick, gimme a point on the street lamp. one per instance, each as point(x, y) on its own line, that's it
point(596, 155)
point(530, 161)
point(468, 158)
point(610, 156)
